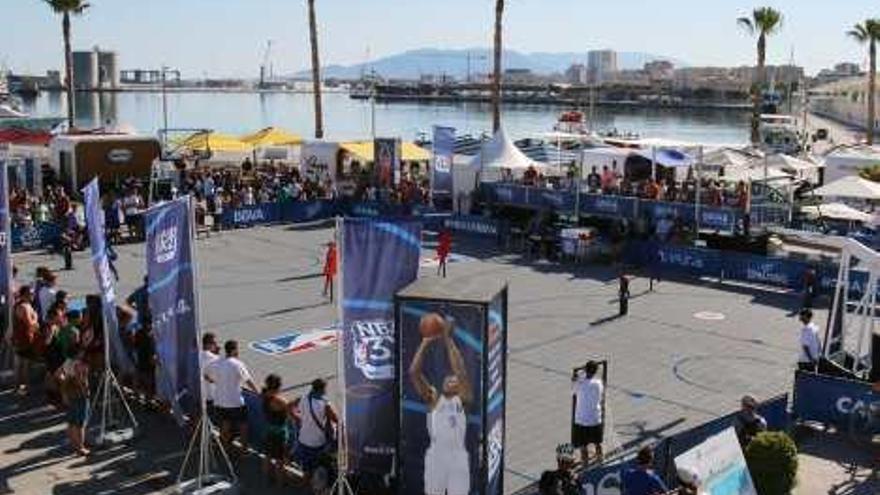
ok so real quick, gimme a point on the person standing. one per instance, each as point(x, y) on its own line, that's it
point(229, 375)
point(623, 293)
point(329, 269)
point(47, 294)
point(589, 427)
point(810, 287)
point(642, 480)
point(810, 347)
point(316, 419)
point(74, 380)
point(748, 422)
point(25, 330)
point(210, 355)
point(275, 443)
point(444, 248)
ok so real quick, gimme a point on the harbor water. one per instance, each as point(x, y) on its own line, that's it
point(345, 118)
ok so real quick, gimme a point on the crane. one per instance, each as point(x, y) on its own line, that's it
point(264, 67)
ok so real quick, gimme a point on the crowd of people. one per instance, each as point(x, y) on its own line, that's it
point(59, 354)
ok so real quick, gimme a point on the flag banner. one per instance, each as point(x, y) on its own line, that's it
point(171, 282)
point(441, 169)
point(386, 161)
point(496, 393)
point(6, 295)
point(106, 283)
point(378, 259)
point(441, 403)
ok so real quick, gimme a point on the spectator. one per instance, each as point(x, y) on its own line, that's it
point(74, 382)
point(594, 181)
point(276, 411)
point(69, 335)
point(210, 354)
point(316, 419)
point(810, 348)
point(25, 329)
point(689, 482)
point(444, 248)
point(140, 300)
point(133, 204)
point(642, 480)
point(588, 390)
point(330, 261)
point(748, 422)
point(145, 362)
point(229, 375)
point(47, 293)
point(810, 287)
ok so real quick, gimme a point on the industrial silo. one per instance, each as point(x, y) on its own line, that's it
point(85, 70)
point(108, 70)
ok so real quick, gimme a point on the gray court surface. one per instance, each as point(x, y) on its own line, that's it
point(669, 369)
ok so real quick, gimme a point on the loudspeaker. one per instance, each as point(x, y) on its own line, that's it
point(875, 358)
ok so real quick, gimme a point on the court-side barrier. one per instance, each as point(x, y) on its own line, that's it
point(607, 478)
point(37, 236)
point(830, 400)
point(723, 219)
point(308, 211)
point(477, 225)
point(728, 265)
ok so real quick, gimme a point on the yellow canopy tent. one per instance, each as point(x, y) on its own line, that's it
point(272, 136)
point(203, 141)
point(410, 152)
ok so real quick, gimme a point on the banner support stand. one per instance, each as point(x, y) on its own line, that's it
point(203, 433)
point(340, 484)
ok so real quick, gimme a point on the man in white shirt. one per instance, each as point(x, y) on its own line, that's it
point(47, 293)
point(810, 346)
point(229, 375)
point(589, 391)
point(210, 355)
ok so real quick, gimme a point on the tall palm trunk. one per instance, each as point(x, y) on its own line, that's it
point(757, 89)
point(316, 72)
point(872, 92)
point(496, 73)
point(68, 69)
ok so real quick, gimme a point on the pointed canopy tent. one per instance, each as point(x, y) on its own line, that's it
point(725, 158)
point(838, 211)
point(214, 141)
point(500, 153)
point(272, 136)
point(851, 186)
point(789, 164)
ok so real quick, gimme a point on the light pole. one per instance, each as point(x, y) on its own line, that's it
point(164, 108)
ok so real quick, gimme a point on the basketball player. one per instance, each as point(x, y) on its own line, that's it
point(446, 461)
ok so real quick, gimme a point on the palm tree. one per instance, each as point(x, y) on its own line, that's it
point(66, 8)
point(316, 72)
point(764, 22)
point(496, 74)
point(868, 32)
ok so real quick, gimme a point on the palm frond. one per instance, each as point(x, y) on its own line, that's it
point(747, 24)
point(859, 33)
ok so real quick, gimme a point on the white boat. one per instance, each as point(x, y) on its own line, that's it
point(779, 134)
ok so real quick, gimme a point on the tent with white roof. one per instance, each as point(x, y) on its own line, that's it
point(838, 211)
point(500, 153)
point(852, 187)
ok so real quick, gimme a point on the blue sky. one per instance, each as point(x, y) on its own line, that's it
point(227, 37)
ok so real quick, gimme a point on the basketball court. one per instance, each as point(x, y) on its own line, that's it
point(685, 353)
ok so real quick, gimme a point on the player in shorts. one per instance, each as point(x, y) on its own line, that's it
point(447, 471)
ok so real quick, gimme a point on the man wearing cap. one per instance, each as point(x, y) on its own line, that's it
point(748, 422)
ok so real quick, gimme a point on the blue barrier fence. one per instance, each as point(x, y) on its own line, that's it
point(607, 477)
point(829, 399)
point(37, 236)
point(722, 219)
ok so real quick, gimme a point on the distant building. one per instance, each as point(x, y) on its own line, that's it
point(601, 64)
point(660, 70)
point(577, 74)
point(845, 100)
point(840, 71)
point(734, 78)
point(519, 76)
point(95, 70)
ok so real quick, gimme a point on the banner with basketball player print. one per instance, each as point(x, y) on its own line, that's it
point(386, 161)
point(442, 397)
point(441, 169)
point(378, 258)
point(103, 275)
point(172, 298)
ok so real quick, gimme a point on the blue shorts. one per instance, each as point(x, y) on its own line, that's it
point(308, 457)
point(78, 411)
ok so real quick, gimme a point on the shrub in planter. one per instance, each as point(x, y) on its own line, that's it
point(773, 463)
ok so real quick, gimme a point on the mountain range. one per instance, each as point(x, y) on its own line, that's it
point(413, 63)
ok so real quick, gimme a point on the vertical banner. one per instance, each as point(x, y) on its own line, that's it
point(441, 170)
point(441, 368)
point(6, 295)
point(171, 282)
point(100, 262)
point(496, 392)
point(386, 161)
point(378, 259)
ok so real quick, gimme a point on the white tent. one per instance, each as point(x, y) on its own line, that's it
point(838, 211)
point(790, 164)
point(500, 153)
point(754, 174)
point(851, 186)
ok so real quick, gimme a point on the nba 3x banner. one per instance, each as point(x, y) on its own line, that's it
point(106, 281)
point(452, 367)
point(378, 259)
point(171, 282)
point(5, 259)
point(444, 151)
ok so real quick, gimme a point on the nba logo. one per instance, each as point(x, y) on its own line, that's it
point(166, 245)
point(441, 164)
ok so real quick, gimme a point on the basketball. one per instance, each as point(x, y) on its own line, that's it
point(432, 325)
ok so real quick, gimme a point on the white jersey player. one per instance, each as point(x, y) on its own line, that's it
point(447, 471)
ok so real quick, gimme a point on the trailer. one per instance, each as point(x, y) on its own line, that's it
point(78, 158)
